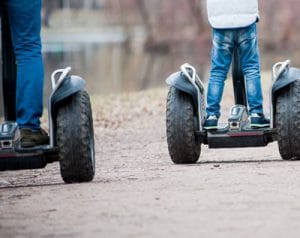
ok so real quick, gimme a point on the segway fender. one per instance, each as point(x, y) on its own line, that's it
point(71, 85)
point(179, 81)
point(287, 77)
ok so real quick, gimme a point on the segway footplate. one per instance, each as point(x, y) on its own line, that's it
point(225, 138)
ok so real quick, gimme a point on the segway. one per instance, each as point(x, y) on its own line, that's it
point(70, 122)
point(185, 115)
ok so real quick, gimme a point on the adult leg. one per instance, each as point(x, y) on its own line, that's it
point(25, 21)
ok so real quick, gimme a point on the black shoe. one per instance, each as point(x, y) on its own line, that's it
point(31, 138)
point(211, 123)
point(258, 120)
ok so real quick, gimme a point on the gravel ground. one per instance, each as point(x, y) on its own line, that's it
point(138, 192)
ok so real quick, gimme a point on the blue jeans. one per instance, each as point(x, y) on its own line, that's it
point(224, 42)
point(25, 22)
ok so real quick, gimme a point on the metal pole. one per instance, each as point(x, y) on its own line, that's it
point(9, 69)
point(238, 80)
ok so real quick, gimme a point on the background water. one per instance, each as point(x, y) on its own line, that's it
point(108, 64)
point(107, 68)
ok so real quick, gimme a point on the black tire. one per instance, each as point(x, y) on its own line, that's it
point(287, 122)
point(183, 145)
point(75, 139)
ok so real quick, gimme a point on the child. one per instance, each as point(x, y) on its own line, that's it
point(233, 24)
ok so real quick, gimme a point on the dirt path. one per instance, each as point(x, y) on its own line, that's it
point(138, 192)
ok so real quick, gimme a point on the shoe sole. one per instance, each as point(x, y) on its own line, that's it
point(28, 144)
point(211, 128)
point(259, 125)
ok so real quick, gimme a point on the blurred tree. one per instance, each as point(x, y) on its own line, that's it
point(48, 7)
point(167, 23)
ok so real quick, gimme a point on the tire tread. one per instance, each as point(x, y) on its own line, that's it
point(287, 121)
point(75, 139)
point(182, 142)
